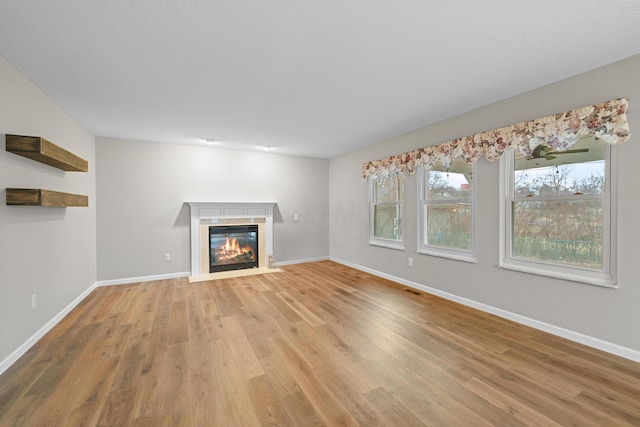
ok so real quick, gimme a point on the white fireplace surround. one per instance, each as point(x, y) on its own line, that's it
point(210, 212)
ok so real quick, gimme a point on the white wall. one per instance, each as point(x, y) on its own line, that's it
point(143, 186)
point(46, 251)
point(612, 315)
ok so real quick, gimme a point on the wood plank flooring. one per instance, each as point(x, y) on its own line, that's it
point(316, 344)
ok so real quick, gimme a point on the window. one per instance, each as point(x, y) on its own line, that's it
point(447, 211)
point(558, 212)
point(385, 217)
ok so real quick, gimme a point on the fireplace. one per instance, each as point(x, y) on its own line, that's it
point(220, 214)
point(233, 247)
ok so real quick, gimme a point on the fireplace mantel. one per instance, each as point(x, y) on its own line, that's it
point(213, 211)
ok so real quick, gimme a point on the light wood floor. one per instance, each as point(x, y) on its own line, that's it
point(317, 344)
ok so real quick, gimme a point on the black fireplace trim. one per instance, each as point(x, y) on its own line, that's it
point(229, 229)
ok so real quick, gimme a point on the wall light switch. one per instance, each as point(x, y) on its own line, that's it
point(296, 218)
point(167, 257)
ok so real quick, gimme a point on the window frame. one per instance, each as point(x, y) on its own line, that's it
point(424, 202)
point(606, 276)
point(379, 241)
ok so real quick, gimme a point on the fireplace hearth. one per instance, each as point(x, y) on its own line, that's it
point(233, 247)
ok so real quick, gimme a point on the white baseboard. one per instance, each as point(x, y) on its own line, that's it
point(597, 343)
point(302, 261)
point(142, 279)
point(20, 351)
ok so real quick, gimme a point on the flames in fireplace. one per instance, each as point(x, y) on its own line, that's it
point(232, 252)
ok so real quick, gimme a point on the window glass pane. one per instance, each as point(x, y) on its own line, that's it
point(385, 222)
point(562, 231)
point(389, 189)
point(579, 170)
point(454, 183)
point(449, 225)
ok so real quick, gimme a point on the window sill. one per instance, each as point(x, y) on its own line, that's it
point(457, 256)
point(387, 244)
point(593, 279)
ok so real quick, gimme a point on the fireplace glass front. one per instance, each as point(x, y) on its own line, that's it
point(233, 247)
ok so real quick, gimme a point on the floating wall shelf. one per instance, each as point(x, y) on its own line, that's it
point(39, 197)
point(39, 149)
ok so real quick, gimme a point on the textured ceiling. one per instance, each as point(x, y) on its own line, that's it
point(306, 77)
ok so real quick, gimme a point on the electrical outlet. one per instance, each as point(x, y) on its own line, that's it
point(410, 262)
point(167, 257)
point(34, 301)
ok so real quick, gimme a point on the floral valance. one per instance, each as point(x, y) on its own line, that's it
point(606, 121)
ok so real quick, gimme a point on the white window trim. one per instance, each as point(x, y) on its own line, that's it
point(459, 255)
point(377, 241)
point(605, 277)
